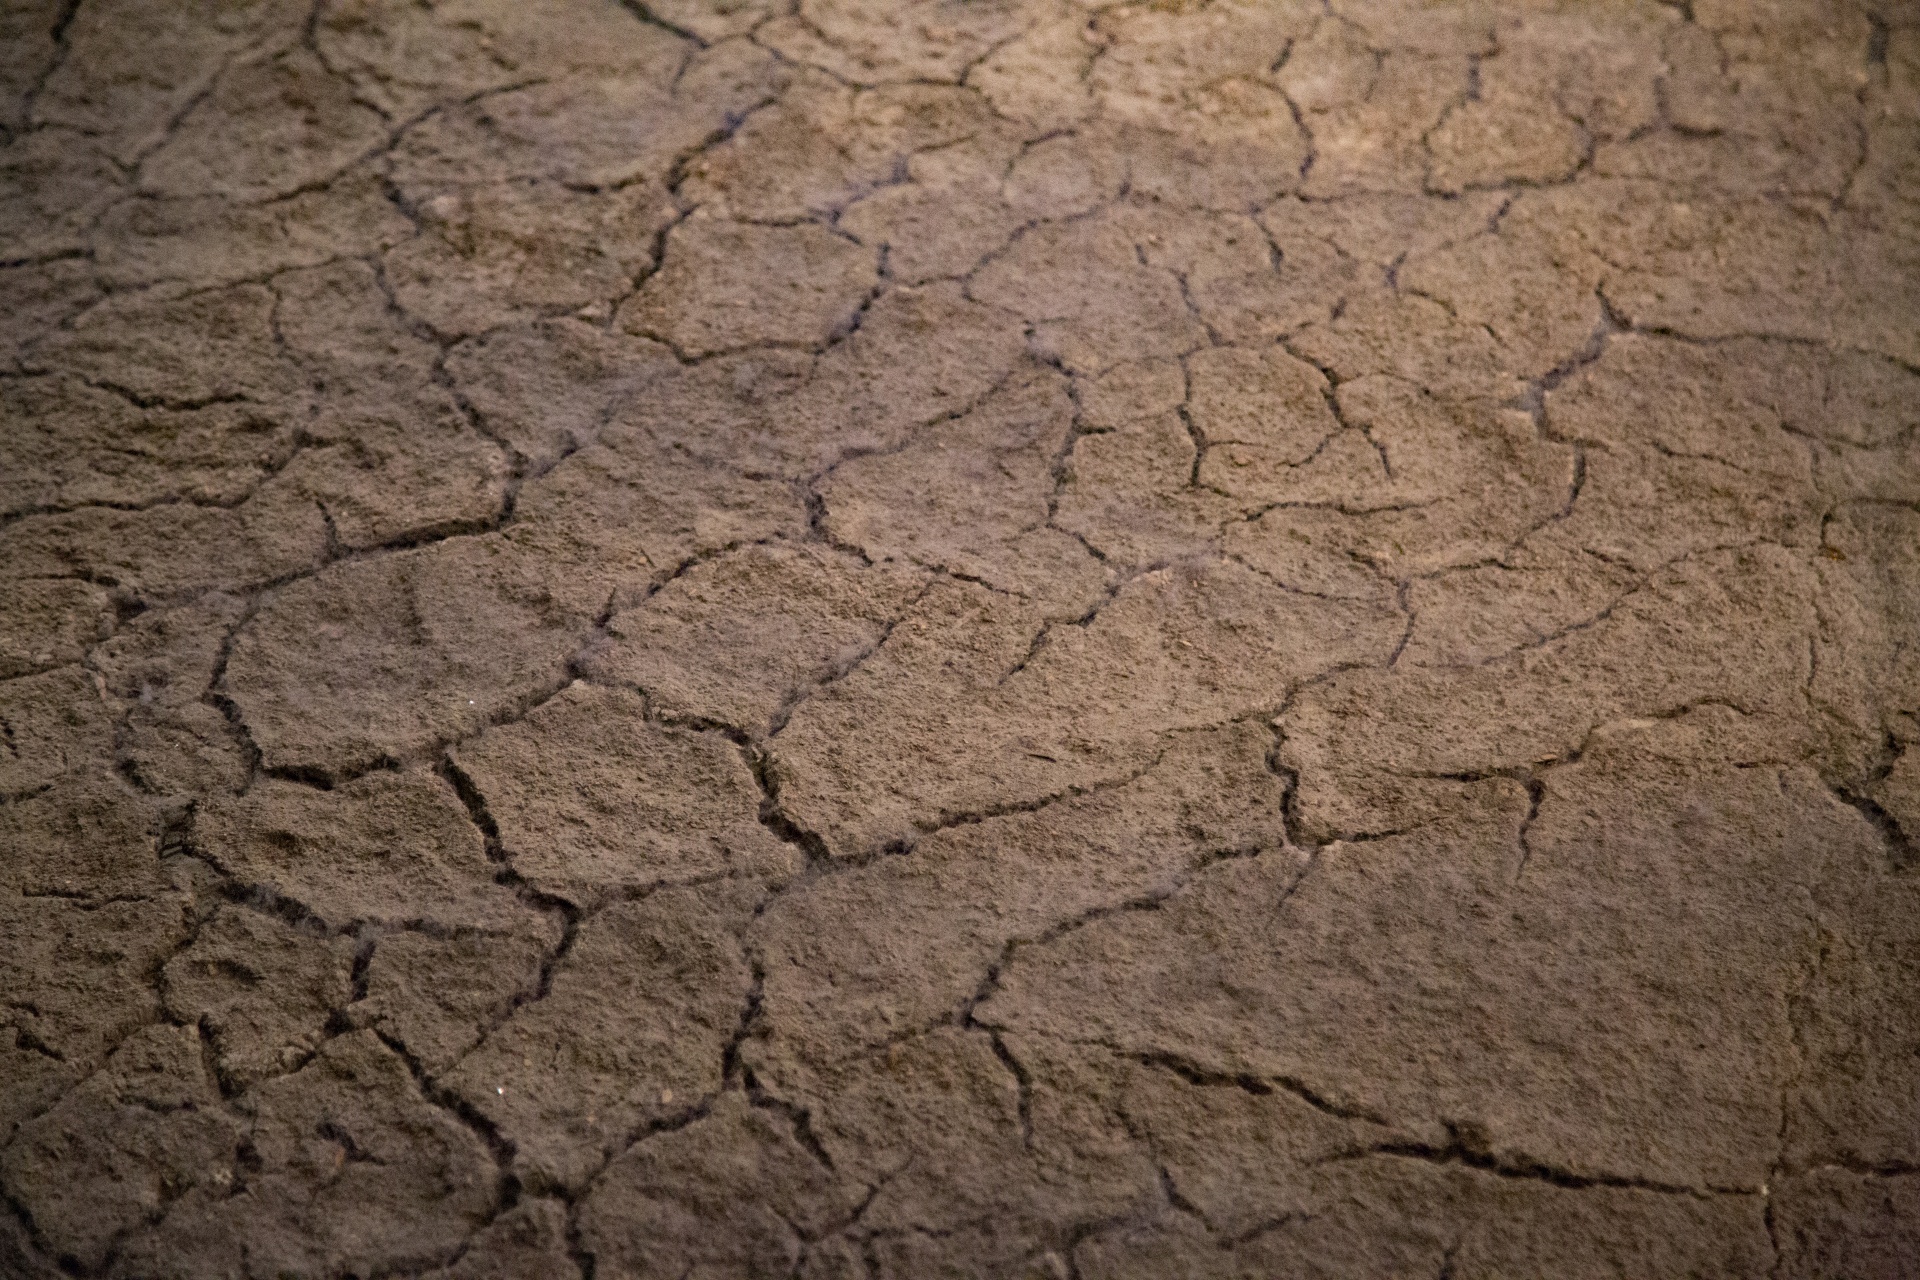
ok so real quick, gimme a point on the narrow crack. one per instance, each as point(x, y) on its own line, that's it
point(1462, 1149)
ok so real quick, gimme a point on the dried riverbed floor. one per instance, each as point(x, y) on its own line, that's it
point(851, 639)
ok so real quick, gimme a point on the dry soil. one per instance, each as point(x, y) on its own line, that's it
point(847, 638)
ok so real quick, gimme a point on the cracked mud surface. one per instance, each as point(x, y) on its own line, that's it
point(855, 638)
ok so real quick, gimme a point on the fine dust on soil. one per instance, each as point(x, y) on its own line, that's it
point(1025, 638)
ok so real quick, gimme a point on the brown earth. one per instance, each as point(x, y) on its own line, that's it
point(851, 638)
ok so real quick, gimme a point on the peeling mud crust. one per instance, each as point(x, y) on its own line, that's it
point(844, 639)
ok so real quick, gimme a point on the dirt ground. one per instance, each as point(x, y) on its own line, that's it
point(1017, 638)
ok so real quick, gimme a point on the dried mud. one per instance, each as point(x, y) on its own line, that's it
point(869, 638)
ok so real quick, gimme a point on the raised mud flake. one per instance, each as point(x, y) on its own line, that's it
point(1651, 984)
point(1507, 135)
point(35, 1082)
point(1537, 300)
point(733, 1190)
point(350, 1170)
point(740, 640)
point(1198, 644)
point(1230, 277)
point(1377, 330)
point(1754, 107)
point(944, 220)
point(1856, 1101)
point(1038, 78)
point(36, 297)
point(1642, 507)
point(592, 798)
point(995, 1250)
point(77, 973)
point(28, 30)
point(1064, 176)
point(1325, 551)
point(972, 496)
point(1872, 670)
point(1129, 492)
point(51, 725)
point(1368, 112)
point(548, 388)
point(1176, 1244)
point(392, 847)
point(130, 68)
point(515, 251)
point(1257, 410)
point(184, 351)
point(1520, 1227)
point(1709, 266)
point(626, 514)
point(388, 453)
point(1689, 448)
point(1887, 473)
point(726, 285)
point(868, 42)
point(821, 145)
point(116, 1151)
point(713, 20)
point(268, 128)
point(1243, 1153)
point(1899, 792)
point(1132, 392)
point(1740, 402)
point(631, 1032)
point(1391, 1215)
point(948, 1135)
point(1888, 183)
point(408, 471)
point(68, 445)
point(1234, 148)
point(18, 1252)
point(381, 659)
point(789, 160)
point(589, 132)
point(173, 551)
point(90, 914)
point(158, 671)
point(528, 1242)
point(1476, 614)
point(1201, 122)
point(438, 995)
point(1563, 91)
point(961, 712)
point(919, 355)
point(407, 58)
point(1158, 55)
point(48, 622)
point(1330, 247)
point(86, 840)
point(891, 948)
point(261, 990)
point(846, 754)
point(729, 410)
point(1399, 742)
point(53, 184)
point(1449, 485)
point(204, 240)
point(1834, 1222)
point(1090, 298)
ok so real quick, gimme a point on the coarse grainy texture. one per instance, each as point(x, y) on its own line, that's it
point(899, 639)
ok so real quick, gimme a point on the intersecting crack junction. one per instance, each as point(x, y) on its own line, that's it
point(913, 639)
